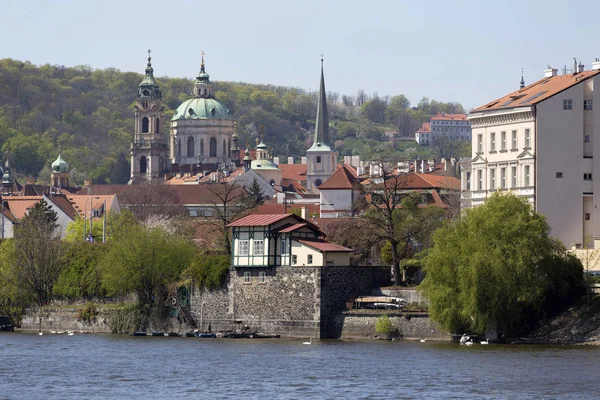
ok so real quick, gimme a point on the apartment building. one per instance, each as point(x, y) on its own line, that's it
point(538, 142)
point(455, 126)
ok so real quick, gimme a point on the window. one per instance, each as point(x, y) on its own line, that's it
point(479, 179)
point(514, 177)
point(588, 105)
point(480, 143)
point(309, 259)
point(587, 176)
point(202, 147)
point(294, 259)
point(468, 181)
point(318, 159)
point(493, 178)
point(178, 147)
point(243, 248)
point(588, 216)
point(503, 178)
point(247, 278)
point(567, 104)
point(586, 138)
point(224, 148)
point(526, 177)
point(492, 141)
point(318, 182)
point(514, 140)
point(190, 147)
point(212, 150)
point(145, 125)
point(262, 277)
point(157, 125)
point(503, 140)
point(259, 248)
point(559, 175)
point(283, 247)
point(527, 137)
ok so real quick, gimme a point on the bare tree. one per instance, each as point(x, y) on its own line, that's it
point(152, 199)
point(449, 146)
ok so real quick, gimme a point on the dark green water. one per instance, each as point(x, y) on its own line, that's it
point(123, 367)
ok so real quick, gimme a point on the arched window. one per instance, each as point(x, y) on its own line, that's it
point(143, 165)
point(178, 147)
point(202, 147)
point(190, 147)
point(229, 147)
point(213, 147)
point(157, 125)
point(145, 125)
point(224, 148)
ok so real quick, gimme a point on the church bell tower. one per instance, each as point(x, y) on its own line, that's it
point(149, 150)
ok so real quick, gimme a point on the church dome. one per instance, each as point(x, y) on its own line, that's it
point(263, 164)
point(201, 108)
point(60, 165)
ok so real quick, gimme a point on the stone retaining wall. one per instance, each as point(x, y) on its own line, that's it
point(63, 319)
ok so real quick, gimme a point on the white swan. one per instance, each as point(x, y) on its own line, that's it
point(486, 341)
point(41, 333)
point(309, 341)
point(423, 340)
point(70, 333)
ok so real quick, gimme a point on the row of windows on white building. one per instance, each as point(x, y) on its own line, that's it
point(212, 147)
point(498, 178)
point(514, 138)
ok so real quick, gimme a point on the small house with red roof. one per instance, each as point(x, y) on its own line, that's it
point(339, 193)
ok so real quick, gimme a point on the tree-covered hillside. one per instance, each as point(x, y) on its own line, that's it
point(88, 114)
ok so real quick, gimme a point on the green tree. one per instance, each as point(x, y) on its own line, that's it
point(144, 261)
point(81, 276)
point(497, 268)
point(38, 252)
point(13, 296)
point(255, 194)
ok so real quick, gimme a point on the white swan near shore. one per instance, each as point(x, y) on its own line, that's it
point(309, 341)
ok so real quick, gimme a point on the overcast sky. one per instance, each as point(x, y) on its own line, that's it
point(465, 51)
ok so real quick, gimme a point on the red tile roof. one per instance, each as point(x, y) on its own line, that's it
point(421, 181)
point(292, 228)
point(342, 178)
point(324, 246)
point(538, 91)
point(425, 128)
point(260, 219)
point(449, 117)
point(296, 172)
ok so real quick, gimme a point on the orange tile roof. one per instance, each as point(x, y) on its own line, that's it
point(449, 117)
point(19, 205)
point(296, 172)
point(292, 228)
point(425, 128)
point(421, 181)
point(342, 178)
point(537, 91)
point(81, 202)
point(260, 219)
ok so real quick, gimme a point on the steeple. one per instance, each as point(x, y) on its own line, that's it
point(322, 123)
point(7, 180)
point(202, 86)
point(522, 80)
point(148, 88)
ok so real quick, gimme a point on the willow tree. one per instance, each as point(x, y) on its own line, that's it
point(497, 269)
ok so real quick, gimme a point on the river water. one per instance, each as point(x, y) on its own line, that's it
point(125, 367)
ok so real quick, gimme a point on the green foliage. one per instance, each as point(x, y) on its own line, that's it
point(255, 194)
point(144, 261)
point(13, 296)
point(385, 326)
point(81, 277)
point(497, 268)
point(210, 271)
point(127, 318)
point(87, 313)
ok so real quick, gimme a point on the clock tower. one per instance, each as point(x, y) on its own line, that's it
point(149, 150)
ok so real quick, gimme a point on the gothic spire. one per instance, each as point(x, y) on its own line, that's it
point(322, 122)
point(522, 80)
point(148, 88)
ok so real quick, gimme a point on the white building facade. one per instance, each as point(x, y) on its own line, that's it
point(538, 142)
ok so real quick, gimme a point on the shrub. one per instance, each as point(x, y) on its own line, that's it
point(384, 326)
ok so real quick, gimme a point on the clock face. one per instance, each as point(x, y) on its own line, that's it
point(146, 92)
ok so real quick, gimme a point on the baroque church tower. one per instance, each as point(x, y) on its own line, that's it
point(149, 150)
point(320, 157)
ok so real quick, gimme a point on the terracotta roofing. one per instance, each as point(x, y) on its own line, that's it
point(293, 228)
point(295, 186)
point(342, 178)
point(63, 204)
point(324, 246)
point(537, 91)
point(19, 205)
point(260, 219)
point(296, 172)
point(81, 203)
point(449, 117)
point(421, 181)
point(425, 128)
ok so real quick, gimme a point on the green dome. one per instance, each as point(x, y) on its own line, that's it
point(263, 164)
point(201, 108)
point(60, 165)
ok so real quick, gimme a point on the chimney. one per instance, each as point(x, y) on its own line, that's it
point(303, 212)
point(596, 64)
point(580, 68)
point(87, 182)
point(574, 66)
point(550, 72)
point(276, 160)
point(303, 160)
point(423, 166)
point(290, 160)
point(360, 170)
